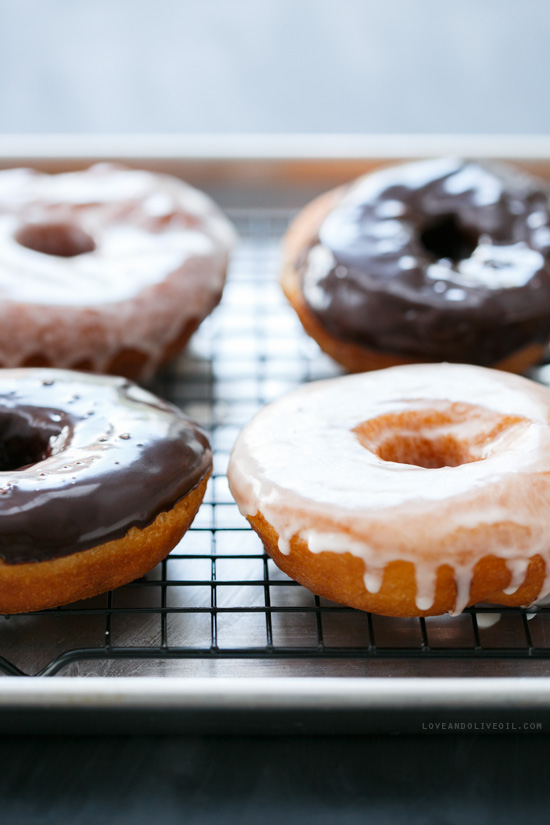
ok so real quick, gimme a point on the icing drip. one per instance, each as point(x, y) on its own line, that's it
point(373, 581)
point(518, 569)
point(463, 581)
point(544, 601)
point(487, 620)
point(426, 575)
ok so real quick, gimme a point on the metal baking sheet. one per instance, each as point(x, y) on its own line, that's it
point(216, 638)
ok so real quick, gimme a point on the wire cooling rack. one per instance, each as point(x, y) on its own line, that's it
point(218, 596)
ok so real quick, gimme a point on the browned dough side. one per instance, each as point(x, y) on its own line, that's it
point(39, 585)
point(131, 363)
point(340, 577)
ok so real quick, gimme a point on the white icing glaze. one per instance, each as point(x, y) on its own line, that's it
point(518, 569)
point(159, 261)
point(303, 463)
point(126, 261)
point(544, 601)
point(487, 620)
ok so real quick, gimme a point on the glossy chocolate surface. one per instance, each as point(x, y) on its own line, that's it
point(443, 259)
point(83, 458)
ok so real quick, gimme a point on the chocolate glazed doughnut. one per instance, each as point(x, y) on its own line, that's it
point(438, 260)
point(99, 480)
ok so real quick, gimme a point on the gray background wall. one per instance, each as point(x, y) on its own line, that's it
point(274, 66)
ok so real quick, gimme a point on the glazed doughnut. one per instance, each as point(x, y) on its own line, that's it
point(442, 260)
point(99, 480)
point(108, 269)
point(411, 491)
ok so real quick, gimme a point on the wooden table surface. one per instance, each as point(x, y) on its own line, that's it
point(419, 780)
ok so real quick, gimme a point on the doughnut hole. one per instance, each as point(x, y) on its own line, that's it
point(63, 240)
point(445, 237)
point(431, 453)
point(441, 434)
point(24, 442)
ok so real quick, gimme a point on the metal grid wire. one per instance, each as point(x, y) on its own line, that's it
point(218, 596)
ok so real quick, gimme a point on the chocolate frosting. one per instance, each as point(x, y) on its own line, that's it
point(83, 458)
point(444, 259)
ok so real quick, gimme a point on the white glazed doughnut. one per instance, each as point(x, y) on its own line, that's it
point(108, 269)
point(416, 490)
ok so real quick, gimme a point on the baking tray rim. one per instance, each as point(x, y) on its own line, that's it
point(274, 692)
point(276, 147)
point(195, 693)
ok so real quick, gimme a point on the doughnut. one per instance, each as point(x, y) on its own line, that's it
point(440, 260)
point(109, 269)
point(415, 490)
point(99, 480)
